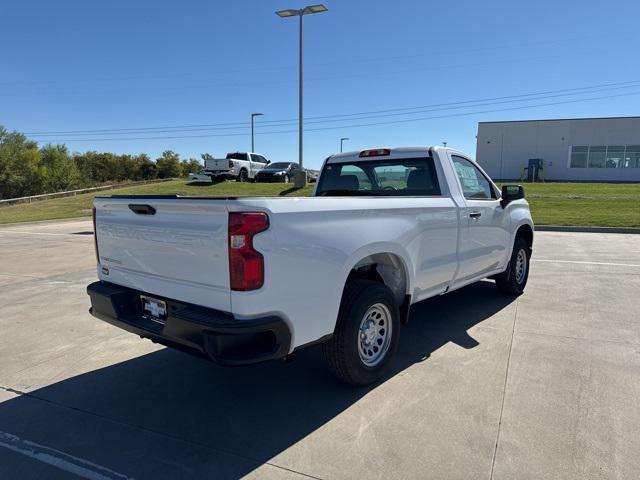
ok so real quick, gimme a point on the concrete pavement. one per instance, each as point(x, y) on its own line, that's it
point(485, 386)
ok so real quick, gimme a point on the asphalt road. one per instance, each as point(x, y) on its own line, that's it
point(545, 386)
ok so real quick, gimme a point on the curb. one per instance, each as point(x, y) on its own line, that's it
point(569, 228)
point(83, 218)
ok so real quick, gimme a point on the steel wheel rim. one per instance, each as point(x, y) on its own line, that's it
point(521, 266)
point(374, 334)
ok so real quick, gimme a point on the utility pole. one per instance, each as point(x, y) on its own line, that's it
point(253, 115)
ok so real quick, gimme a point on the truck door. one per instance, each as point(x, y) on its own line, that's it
point(255, 164)
point(485, 229)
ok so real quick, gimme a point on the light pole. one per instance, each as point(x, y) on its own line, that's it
point(253, 115)
point(291, 12)
point(342, 140)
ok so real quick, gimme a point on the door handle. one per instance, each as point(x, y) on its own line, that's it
point(142, 209)
point(475, 214)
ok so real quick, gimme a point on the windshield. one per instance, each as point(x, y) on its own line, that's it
point(277, 166)
point(399, 177)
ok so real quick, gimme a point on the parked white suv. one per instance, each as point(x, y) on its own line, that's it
point(242, 280)
point(241, 166)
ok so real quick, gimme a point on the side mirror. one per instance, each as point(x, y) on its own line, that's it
point(268, 162)
point(511, 193)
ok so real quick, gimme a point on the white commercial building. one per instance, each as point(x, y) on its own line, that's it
point(578, 149)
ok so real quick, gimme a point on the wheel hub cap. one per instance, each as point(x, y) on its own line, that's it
point(374, 336)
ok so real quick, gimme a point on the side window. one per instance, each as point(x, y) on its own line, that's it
point(256, 158)
point(474, 184)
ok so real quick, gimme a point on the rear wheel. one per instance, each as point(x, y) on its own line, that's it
point(243, 176)
point(366, 333)
point(513, 280)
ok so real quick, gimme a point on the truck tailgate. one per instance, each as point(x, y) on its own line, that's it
point(216, 164)
point(172, 247)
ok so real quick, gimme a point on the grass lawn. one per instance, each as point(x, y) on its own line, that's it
point(80, 205)
point(584, 204)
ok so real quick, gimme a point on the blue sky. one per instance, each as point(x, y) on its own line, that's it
point(201, 67)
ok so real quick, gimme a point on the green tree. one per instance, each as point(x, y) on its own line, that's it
point(168, 165)
point(20, 172)
point(145, 168)
point(58, 169)
point(191, 165)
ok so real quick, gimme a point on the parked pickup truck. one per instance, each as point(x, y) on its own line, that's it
point(241, 166)
point(242, 280)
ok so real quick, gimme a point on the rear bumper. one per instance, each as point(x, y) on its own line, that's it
point(198, 330)
point(222, 173)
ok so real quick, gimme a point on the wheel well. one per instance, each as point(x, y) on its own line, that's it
point(386, 268)
point(525, 232)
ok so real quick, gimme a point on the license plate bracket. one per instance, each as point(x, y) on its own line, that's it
point(154, 309)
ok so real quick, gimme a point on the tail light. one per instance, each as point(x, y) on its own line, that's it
point(378, 152)
point(246, 265)
point(95, 236)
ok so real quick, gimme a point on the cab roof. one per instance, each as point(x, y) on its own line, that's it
point(386, 154)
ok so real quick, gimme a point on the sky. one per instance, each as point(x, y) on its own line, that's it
point(146, 76)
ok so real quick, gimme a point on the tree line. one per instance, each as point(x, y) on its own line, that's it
point(28, 169)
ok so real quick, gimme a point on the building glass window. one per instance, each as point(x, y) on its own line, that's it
point(597, 156)
point(579, 157)
point(632, 157)
point(615, 155)
point(604, 156)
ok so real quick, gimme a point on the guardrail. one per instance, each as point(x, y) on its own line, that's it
point(72, 193)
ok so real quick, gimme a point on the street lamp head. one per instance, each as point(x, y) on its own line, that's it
point(290, 12)
point(344, 138)
point(314, 9)
point(256, 114)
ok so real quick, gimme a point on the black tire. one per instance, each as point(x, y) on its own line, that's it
point(342, 352)
point(243, 176)
point(512, 281)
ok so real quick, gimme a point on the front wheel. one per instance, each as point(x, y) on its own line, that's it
point(366, 333)
point(243, 176)
point(513, 280)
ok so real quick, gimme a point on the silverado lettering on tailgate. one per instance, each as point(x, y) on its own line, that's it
point(156, 235)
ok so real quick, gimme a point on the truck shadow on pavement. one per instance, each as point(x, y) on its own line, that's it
point(168, 415)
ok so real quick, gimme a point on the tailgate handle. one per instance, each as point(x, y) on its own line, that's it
point(142, 209)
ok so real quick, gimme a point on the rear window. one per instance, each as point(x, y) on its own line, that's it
point(392, 178)
point(236, 156)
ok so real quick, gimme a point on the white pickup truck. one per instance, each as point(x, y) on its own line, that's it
point(241, 166)
point(242, 280)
